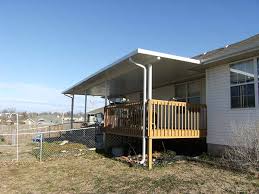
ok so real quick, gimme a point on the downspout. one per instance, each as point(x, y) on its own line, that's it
point(144, 109)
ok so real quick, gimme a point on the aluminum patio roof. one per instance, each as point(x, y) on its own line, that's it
point(124, 77)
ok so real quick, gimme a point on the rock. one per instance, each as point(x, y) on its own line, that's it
point(179, 157)
point(63, 142)
point(180, 161)
point(64, 151)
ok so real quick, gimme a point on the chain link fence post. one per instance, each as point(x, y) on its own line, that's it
point(17, 137)
point(41, 144)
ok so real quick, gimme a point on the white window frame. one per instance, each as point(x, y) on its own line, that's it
point(255, 82)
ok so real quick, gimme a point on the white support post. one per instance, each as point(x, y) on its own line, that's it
point(106, 93)
point(85, 107)
point(72, 111)
point(105, 104)
point(149, 82)
point(256, 83)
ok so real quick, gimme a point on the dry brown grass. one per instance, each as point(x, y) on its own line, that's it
point(95, 173)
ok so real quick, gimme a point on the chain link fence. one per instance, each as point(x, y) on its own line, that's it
point(46, 143)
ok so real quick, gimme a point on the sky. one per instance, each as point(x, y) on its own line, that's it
point(47, 46)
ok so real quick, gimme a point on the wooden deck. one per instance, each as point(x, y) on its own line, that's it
point(165, 119)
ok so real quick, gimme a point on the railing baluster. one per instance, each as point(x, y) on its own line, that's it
point(165, 127)
point(198, 117)
point(185, 119)
point(169, 118)
point(172, 118)
point(191, 119)
point(154, 118)
point(158, 119)
point(182, 119)
point(162, 119)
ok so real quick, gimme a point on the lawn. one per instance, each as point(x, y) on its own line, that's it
point(94, 173)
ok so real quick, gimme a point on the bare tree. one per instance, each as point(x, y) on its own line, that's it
point(243, 152)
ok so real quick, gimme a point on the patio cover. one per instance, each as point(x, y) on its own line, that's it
point(122, 77)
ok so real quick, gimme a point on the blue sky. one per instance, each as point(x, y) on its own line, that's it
point(47, 46)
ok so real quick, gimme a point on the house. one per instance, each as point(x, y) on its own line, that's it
point(9, 122)
point(29, 121)
point(171, 96)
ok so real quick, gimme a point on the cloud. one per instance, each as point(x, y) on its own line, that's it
point(35, 97)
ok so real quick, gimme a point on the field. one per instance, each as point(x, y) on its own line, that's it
point(94, 173)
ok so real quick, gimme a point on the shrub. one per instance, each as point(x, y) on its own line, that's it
point(243, 152)
point(2, 139)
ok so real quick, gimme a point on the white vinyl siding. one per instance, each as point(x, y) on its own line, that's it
point(164, 93)
point(221, 118)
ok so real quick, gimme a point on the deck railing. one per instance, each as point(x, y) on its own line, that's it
point(124, 119)
point(165, 119)
point(169, 119)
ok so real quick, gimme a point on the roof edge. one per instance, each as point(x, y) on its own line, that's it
point(168, 56)
point(102, 70)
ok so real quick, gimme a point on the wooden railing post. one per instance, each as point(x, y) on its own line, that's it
point(150, 122)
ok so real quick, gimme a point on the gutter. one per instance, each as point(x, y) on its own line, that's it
point(229, 55)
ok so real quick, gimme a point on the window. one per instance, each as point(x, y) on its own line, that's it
point(180, 92)
point(188, 92)
point(242, 84)
point(194, 90)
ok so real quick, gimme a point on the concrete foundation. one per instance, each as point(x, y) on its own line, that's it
point(216, 149)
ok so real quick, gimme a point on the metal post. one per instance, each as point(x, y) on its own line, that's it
point(106, 93)
point(62, 118)
point(41, 148)
point(85, 107)
point(149, 92)
point(72, 111)
point(149, 81)
point(17, 137)
point(256, 83)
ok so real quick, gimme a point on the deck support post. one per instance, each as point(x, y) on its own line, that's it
point(72, 111)
point(150, 159)
point(149, 97)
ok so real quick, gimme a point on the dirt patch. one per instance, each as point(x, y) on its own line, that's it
point(94, 173)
